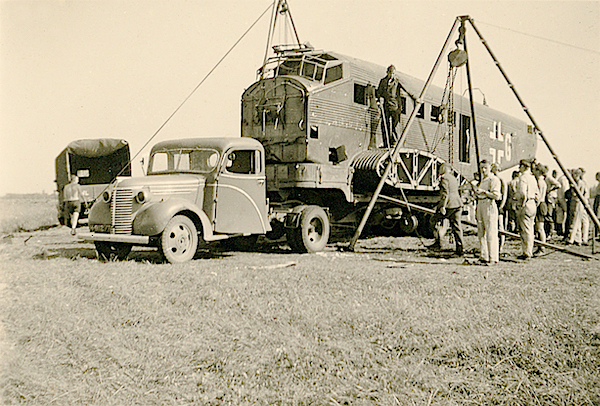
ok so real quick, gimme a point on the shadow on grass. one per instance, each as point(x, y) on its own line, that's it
point(143, 255)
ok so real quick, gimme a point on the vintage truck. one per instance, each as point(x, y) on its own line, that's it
point(196, 191)
point(96, 162)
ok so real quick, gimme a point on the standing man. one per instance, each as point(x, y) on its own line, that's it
point(388, 94)
point(487, 193)
point(513, 189)
point(579, 229)
point(552, 186)
point(595, 198)
point(501, 205)
point(73, 196)
point(542, 206)
point(561, 207)
point(449, 206)
point(528, 196)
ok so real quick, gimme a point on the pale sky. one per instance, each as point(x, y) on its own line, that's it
point(118, 69)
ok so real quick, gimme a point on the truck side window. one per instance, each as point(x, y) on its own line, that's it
point(242, 162)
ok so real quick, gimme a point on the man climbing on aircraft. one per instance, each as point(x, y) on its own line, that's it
point(388, 94)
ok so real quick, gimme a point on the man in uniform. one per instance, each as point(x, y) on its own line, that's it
point(487, 193)
point(73, 196)
point(388, 94)
point(449, 206)
point(527, 197)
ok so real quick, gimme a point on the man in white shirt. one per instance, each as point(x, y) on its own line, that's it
point(528, 196)
point(487, 193)
point(580, 228)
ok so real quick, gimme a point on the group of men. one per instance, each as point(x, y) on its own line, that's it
point(533, 204)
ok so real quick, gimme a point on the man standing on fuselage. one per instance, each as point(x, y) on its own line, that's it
point(388, 94)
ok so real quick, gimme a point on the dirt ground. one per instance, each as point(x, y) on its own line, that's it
point(57, 242)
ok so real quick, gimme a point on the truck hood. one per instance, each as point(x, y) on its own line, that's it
point(167, 185)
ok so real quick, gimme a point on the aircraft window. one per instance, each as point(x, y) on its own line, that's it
point(334, 73)
point(242, 162)
point(308, 70)
point(290, 67)
point(319, 74)
point(403, 105)
point(435, 113)
point(421, 113)
point(327, 57)
point(360, 94)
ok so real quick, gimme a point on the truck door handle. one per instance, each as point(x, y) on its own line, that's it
point(260, 181)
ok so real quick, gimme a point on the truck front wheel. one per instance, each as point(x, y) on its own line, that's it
point(313, 231)
point(179, 240)
point(110, 251)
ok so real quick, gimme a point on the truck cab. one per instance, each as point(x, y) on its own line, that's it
point(199, 188)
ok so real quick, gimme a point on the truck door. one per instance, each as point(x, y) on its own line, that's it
point(241, 205)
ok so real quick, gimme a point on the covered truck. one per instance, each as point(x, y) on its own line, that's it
point(97, 162)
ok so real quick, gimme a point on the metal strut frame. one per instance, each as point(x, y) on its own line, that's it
point(419, 102)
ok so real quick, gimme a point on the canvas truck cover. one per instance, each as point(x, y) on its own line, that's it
point(98, 161)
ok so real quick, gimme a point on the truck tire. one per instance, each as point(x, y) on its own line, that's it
point(179, 240)
point(313, 230)
point(111, 251)
point(408, 224)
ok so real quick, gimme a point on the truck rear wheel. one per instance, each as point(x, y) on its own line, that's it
point(179, 240)
point(111, 251)
point(313, 230)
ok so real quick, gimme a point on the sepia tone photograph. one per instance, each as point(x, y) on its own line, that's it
point(299, 202)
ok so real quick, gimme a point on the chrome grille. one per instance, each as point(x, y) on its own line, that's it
point(121, 208)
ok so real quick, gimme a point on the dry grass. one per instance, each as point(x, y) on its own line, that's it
point(27, 212)
point(376, 327)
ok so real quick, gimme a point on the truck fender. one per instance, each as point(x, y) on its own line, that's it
point(154, 216)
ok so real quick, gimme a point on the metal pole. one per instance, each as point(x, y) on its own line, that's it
point(583, 200)
point(474, 124)
point(270, 34)
point(400, 141)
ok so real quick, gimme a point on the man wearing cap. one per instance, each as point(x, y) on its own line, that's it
point(527, 197)
point(388, 92)
point(448, 207)
point(487, 193)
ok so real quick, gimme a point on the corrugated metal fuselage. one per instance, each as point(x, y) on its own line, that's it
point(313, 133)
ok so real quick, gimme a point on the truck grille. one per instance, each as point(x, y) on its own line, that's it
point(121, 208)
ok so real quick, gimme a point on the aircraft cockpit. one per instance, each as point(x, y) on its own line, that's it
point(313, 65)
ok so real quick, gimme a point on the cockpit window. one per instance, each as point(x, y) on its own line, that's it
point(290, 67)
point(194, 160)
point(311, 67)
point(334, 73)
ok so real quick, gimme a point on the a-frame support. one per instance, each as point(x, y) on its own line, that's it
point(419, 102)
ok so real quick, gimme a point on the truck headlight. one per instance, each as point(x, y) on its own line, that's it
point(142, 196)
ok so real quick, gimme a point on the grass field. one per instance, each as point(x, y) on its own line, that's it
point(387, 325)
point(27, 212)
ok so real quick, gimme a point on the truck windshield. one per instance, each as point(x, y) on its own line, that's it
point(194, 160)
